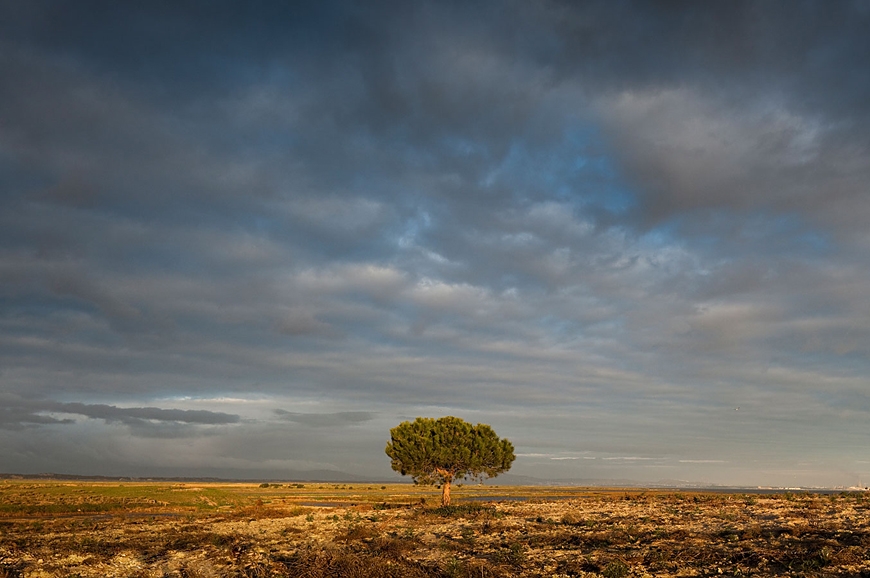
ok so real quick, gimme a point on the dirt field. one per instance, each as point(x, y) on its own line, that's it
point(75, 529)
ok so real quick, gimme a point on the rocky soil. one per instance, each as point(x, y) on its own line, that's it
point(614, 535)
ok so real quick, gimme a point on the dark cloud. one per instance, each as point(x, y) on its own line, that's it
point(19, 412)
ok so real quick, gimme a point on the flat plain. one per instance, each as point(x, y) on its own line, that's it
point(80, 529)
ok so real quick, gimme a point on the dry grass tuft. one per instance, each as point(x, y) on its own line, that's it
point(342, 564)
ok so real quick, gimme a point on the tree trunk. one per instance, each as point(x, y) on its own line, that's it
point(445, 493)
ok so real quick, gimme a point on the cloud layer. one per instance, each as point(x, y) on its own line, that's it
point(247, 240)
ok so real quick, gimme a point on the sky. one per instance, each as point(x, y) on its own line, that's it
point(245, 239)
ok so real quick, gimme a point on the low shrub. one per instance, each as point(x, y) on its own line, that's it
point(464, 510)
point(615, 569)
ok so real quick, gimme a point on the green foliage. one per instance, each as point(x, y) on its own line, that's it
point(513, 554)
point(437, 451)
point(454, 568)
point(615, 569)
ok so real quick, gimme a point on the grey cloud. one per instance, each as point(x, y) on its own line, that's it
point(23, 412)
point(337, 419)
point(17, 417)
point(112, 413)
point(693, 154)
point(634, 212)
point(303, 323)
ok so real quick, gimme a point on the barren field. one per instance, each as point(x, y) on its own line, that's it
point(194, 530)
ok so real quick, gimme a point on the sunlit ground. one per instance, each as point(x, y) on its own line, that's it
point(159, 529)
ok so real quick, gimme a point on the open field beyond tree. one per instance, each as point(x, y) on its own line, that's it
point(312, 530)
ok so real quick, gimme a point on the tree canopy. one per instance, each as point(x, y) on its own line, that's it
point(439, 451)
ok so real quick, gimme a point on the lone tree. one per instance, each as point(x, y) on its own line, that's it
point(438, 451)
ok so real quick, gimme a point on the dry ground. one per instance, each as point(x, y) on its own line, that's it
point(51, 529)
